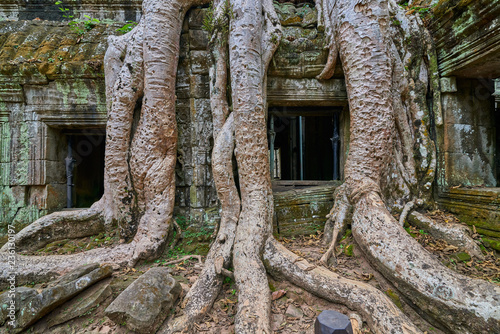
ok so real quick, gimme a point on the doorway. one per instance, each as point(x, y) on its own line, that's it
point(304, 143)
point(86, 148)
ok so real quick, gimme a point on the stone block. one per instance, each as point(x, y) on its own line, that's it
point(145, 304)
point(198, 40)
point(55, 196)
point(200, 87)
point(196, 17)
point(199, 62)
point(55, 172)
point(448, 84)
point(11, 93)
point(332, 322)
point(81, 304)
point(37, 306)
point(469, 169)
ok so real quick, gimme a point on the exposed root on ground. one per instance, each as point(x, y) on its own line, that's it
point(57, 226)
point(454, 234)
point(376, 308)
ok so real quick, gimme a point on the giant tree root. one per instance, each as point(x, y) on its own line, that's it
point(140, 160)
point(454, 234)
point(456, 302)
point(57, 226)
point(338, 218)
point(376, 308)
point(205, 290)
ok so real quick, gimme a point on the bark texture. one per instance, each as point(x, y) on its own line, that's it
point(387, 83)
point(141, 144)
point(391, 162)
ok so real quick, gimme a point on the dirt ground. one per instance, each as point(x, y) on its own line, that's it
point(294, 310)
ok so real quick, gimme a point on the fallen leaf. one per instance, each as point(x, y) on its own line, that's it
point(278, 294)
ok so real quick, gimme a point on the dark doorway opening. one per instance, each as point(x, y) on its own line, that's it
point(497, 132)
point(86, 148)
point(304, 143)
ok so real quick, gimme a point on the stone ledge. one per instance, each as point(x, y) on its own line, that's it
point(475, 206)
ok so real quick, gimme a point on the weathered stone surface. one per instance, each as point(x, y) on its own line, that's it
point(479, 207)
point(10, 301)
point(467, 37)
point(277, 320)
point(303, 211)
point(332, 322)
point(118, 10)
point(294, 312)
point(81, 303)
point(145, 303)
point(448, 84)
point(36, 306)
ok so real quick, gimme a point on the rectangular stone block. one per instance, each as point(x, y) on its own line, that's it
point(466, 138)
point(468, 170)
point(448, 84)
point(199, 62)
point(198, 40)
point(11, 93)
point(196, 17)
point(200, 87)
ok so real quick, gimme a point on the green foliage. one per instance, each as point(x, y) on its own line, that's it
point(349, 250)
point(64, 10)
point(80, 26)
point(127, 27)
point(208, 20)
point(219, 24)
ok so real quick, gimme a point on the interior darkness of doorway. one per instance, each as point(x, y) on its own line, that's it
point(88, 173)
point(318, 128)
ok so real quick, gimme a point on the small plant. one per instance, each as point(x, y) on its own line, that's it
point(60, 58)
point(220, 24)
point(78, 25)
point(127, 27)
point(64, 10)
point(50, 60)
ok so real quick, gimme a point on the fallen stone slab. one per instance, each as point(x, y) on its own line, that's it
point(81, 304)
point(38, 305)
point(293, 312)
point(144, 305)
point(332, 322)
point(10, 301)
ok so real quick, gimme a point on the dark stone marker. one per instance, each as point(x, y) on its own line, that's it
point(332, 322)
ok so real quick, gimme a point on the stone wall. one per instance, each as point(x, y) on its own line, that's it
point(117, 10)
point(469, 132)
point(52, 81)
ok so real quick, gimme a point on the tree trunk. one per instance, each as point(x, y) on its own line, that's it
point(391, 162)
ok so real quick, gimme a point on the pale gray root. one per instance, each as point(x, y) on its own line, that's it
point(205, 290)
point(255, 224)
point(382, 316)
point(328, 22)
point(337, 217)
point(44, 268)
point(406, 210)
point(218, 68)
point(456, 302)
point(365, 40)
point(454, 234)
point(124, 73)
point(57, 226)
point(142, 63)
